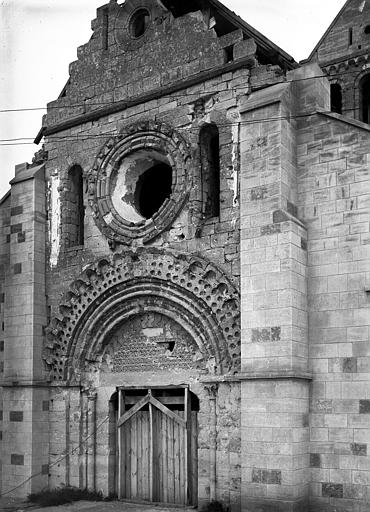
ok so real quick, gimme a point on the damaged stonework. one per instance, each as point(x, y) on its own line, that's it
point(122, 200)
point(150, 342)
point(93, 460)
point(202, 298)
point(127, 186)
point(235, 183)
point(54, 218)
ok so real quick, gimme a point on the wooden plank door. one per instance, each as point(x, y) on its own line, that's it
point(157, 449)
point(169, 462)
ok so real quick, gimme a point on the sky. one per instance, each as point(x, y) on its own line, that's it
point(39, 38)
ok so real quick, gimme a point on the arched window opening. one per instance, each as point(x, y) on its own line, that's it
point(336, 98)
point(75, 206)
point(210, 167)
point(365, 99)
point(350, 36)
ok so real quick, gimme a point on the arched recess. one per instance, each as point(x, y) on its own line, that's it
point(209, 142)
point(187, 289)
point(336, 98)
point(364, 104)
point(74, 211)
point(360, 86)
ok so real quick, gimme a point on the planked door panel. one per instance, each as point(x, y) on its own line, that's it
point(158, 451)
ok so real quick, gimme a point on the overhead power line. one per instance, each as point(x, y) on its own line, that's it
point(176, 95)
point(59, 460)
point(82, 137)
point(21, 141)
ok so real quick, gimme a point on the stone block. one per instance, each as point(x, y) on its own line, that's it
point(17, 268)
point(16, 228)
point(17, 459)
point(359, 449)
point(266, 476)
point(16, 416)
point(244, 48)
point(21, 237)
point(355, 492)
point(364, 406)
point(315, 460)
point(331, 490)
point(16, 210)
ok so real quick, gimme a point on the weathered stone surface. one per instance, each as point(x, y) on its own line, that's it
point(17, 459)
point(364, 407)
point(242, 286)
point(359, 449)
point(315, 460)
point(15, 415)
point(330, 490)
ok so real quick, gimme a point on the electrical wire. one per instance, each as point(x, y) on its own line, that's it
point(80, 138)
point(68, 453)
point(59, 460)
point(172, 95)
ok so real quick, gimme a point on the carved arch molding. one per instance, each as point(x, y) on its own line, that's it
point(188, 289)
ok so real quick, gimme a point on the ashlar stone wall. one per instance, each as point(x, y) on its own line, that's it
point(334, 188)
point(317, 246)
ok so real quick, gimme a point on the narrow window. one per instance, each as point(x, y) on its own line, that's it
point(365, 99)
point(229, 54)
point(350, 36)
point(210, 170)
point(76, 214)
point(336, 98)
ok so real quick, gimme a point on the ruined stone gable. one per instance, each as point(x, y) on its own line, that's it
point(347, 35)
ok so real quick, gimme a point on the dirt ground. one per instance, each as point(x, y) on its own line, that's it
point(14, 505)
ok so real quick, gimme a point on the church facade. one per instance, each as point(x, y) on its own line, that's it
point(185, 269)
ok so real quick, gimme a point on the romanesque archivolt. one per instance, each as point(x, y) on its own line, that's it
point(140, 182)
point(187, 290)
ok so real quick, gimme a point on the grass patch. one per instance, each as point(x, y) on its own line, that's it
point(62, 495)
point(215, 506)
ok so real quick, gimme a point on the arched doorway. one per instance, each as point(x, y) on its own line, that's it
point(148, 326)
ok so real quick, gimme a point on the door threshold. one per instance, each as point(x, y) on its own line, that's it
point(157, 504)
